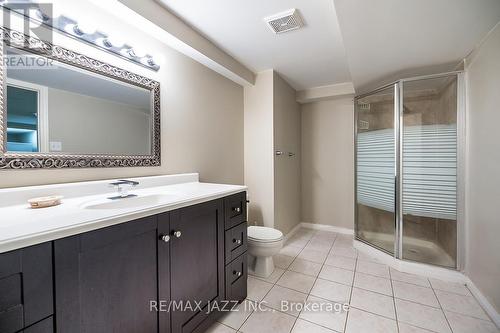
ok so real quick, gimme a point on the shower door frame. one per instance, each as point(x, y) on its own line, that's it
point(398, 169)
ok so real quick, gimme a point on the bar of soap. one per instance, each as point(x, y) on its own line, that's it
point(43, 202)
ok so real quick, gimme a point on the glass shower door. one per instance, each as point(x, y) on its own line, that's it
point(429, 171)
point(375, 168)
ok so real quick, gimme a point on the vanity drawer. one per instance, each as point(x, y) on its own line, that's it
point(236, 279)
point(236, 242)
point(235, 209)
point(25, 287)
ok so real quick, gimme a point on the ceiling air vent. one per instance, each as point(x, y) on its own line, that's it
point(285, 21)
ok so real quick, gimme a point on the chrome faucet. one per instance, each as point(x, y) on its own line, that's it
point(122, 187)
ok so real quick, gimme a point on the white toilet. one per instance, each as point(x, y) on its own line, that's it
point(263, 243)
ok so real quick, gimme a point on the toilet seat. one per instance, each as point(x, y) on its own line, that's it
point(264, 234)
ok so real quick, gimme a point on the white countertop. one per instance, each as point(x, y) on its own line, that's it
point(21, 226)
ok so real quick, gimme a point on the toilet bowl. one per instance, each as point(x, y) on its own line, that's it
point(263, 243)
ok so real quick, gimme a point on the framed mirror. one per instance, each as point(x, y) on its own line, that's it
point(62, 109)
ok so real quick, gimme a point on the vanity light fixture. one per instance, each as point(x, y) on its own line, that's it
point(88, 33)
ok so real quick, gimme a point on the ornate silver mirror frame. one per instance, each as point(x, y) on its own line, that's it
point(33, 45)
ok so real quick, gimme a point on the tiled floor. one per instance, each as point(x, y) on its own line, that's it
point(323, 267)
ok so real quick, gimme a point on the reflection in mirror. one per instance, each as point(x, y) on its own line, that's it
point(57, 108)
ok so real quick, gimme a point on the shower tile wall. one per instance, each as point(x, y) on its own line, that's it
point(422, 107)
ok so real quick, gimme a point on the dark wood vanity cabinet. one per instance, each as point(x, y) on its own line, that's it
point(196, 263)
point(235, 207)
point(26, 294)
point(124, 278)
point(105, 280)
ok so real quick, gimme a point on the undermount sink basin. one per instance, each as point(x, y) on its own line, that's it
point(132, 202)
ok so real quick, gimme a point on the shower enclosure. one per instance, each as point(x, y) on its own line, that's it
point(408, 164)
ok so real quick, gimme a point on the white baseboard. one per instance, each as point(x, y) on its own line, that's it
point(291, 232)
point(345, 231)
point(487, 306)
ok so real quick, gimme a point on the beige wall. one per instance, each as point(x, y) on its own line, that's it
point(328, 162)
point(202, 114)
point(259, 163)
point(116, 128)
point(272, 122)
point(286, 168)
point(483, 179)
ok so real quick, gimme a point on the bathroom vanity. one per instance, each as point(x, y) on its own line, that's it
point(159, 265)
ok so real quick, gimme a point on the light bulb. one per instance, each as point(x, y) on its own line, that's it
point(83, 28)
point(148, 61)
point(134, 53)
point(114, 41)
point(38, 14)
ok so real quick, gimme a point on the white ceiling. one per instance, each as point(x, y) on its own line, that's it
point(386, 39)
point(310, 57)
point(364, 41)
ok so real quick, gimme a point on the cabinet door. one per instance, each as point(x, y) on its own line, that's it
point(26, 294)
point(106, 280)
point(164, 271)
point(197, 262)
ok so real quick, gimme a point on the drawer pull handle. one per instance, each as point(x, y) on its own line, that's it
point(177, 234)
point(238, 274)
point(237, 241)
point(165, 238)
point(237, 209)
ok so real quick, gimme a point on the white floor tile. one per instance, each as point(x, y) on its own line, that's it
point(465, 324)
point(296, 281)
point(466, 305)
point(406, 328)
point(302, 326)
point(324, 317)
point(237, 317)
point(332, 291)
point(422, 316)
point(305, 267)
point(291, 251)
point(348, 252)
point(279, 294)
point(276, 274)
point(257, 289)
point(343, 241)
point(220, 328)
point(297, 241)
point(366, 257)
point(282, 261)
point(414, 293)
point(373, 283)
point(409, 278)
point(363, 322)
point(325, 236)
point(320, 246)
point(341, 262)
point(373, 302)
point(268, 321)
point(336, 274)
point(313, 255)
point(373, 268)
point(450, 287)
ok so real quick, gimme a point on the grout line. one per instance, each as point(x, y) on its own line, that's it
point(307, 296)
point(441, 307)
point(394, 301)
point(352, 288)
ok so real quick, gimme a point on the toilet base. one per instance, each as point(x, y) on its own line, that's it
point(261, 266)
